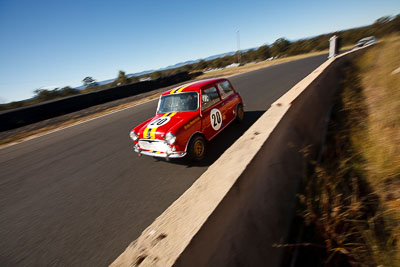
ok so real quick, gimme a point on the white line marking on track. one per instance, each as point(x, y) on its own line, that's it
point(69, 126)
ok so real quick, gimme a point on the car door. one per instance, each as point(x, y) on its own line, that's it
point(211, 112)
point(228, 103)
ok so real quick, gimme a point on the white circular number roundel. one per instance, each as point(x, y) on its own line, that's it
point(158, 122)
point(216, 119)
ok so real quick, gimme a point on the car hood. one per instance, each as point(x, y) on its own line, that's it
point(161, 124)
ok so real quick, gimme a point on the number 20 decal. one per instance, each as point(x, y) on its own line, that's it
point(216, 119)
point(158, 122)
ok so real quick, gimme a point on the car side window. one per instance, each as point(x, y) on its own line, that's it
point(225, 89)
point(209, 97)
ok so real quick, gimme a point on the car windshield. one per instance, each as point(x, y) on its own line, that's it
point(181, 102)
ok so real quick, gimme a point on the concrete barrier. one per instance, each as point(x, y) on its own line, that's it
point(243, 204)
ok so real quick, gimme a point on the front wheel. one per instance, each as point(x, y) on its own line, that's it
point(197, 148)
point(239, 113)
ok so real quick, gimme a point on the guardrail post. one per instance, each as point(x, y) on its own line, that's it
point(333, 46)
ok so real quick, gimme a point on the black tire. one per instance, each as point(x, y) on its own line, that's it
point(239, 113)
point(197, 148)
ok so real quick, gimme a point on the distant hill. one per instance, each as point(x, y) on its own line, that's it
point(205, 59)
point(177, 65)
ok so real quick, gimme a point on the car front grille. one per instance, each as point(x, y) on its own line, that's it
point(155, 145)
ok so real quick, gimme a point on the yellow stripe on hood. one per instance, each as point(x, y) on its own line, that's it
point(152, 134)
point(145, 132)
point(180, 89)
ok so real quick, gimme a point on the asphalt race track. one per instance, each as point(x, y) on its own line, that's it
point(79, 196)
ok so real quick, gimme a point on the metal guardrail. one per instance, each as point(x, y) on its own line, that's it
point(26, 115)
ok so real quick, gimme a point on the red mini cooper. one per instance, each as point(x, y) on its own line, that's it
point(186, 117)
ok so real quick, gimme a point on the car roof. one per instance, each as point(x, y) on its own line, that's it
point(194, 86)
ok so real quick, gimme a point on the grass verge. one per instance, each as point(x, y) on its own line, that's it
point(255, 66)
point(249, 67)
point(350, 199)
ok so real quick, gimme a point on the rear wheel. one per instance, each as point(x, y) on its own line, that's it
point(197, 148)
point(239, 113)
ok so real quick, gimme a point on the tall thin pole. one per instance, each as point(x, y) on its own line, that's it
point(238, 45)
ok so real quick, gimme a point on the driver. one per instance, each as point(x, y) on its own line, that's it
point(190, 102)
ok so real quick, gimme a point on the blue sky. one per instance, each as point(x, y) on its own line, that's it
point(58, 43)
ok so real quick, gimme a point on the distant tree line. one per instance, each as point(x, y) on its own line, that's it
point(280, 48)
point(283, 47)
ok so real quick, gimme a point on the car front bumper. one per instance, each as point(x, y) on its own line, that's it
point(159, 154)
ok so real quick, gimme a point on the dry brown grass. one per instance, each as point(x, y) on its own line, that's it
point(255, 66)
point(262, 64)
point(352, 198)
point(381, 143)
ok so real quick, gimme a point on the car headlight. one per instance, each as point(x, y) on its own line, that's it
point(170, 138)
point(133, 136)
